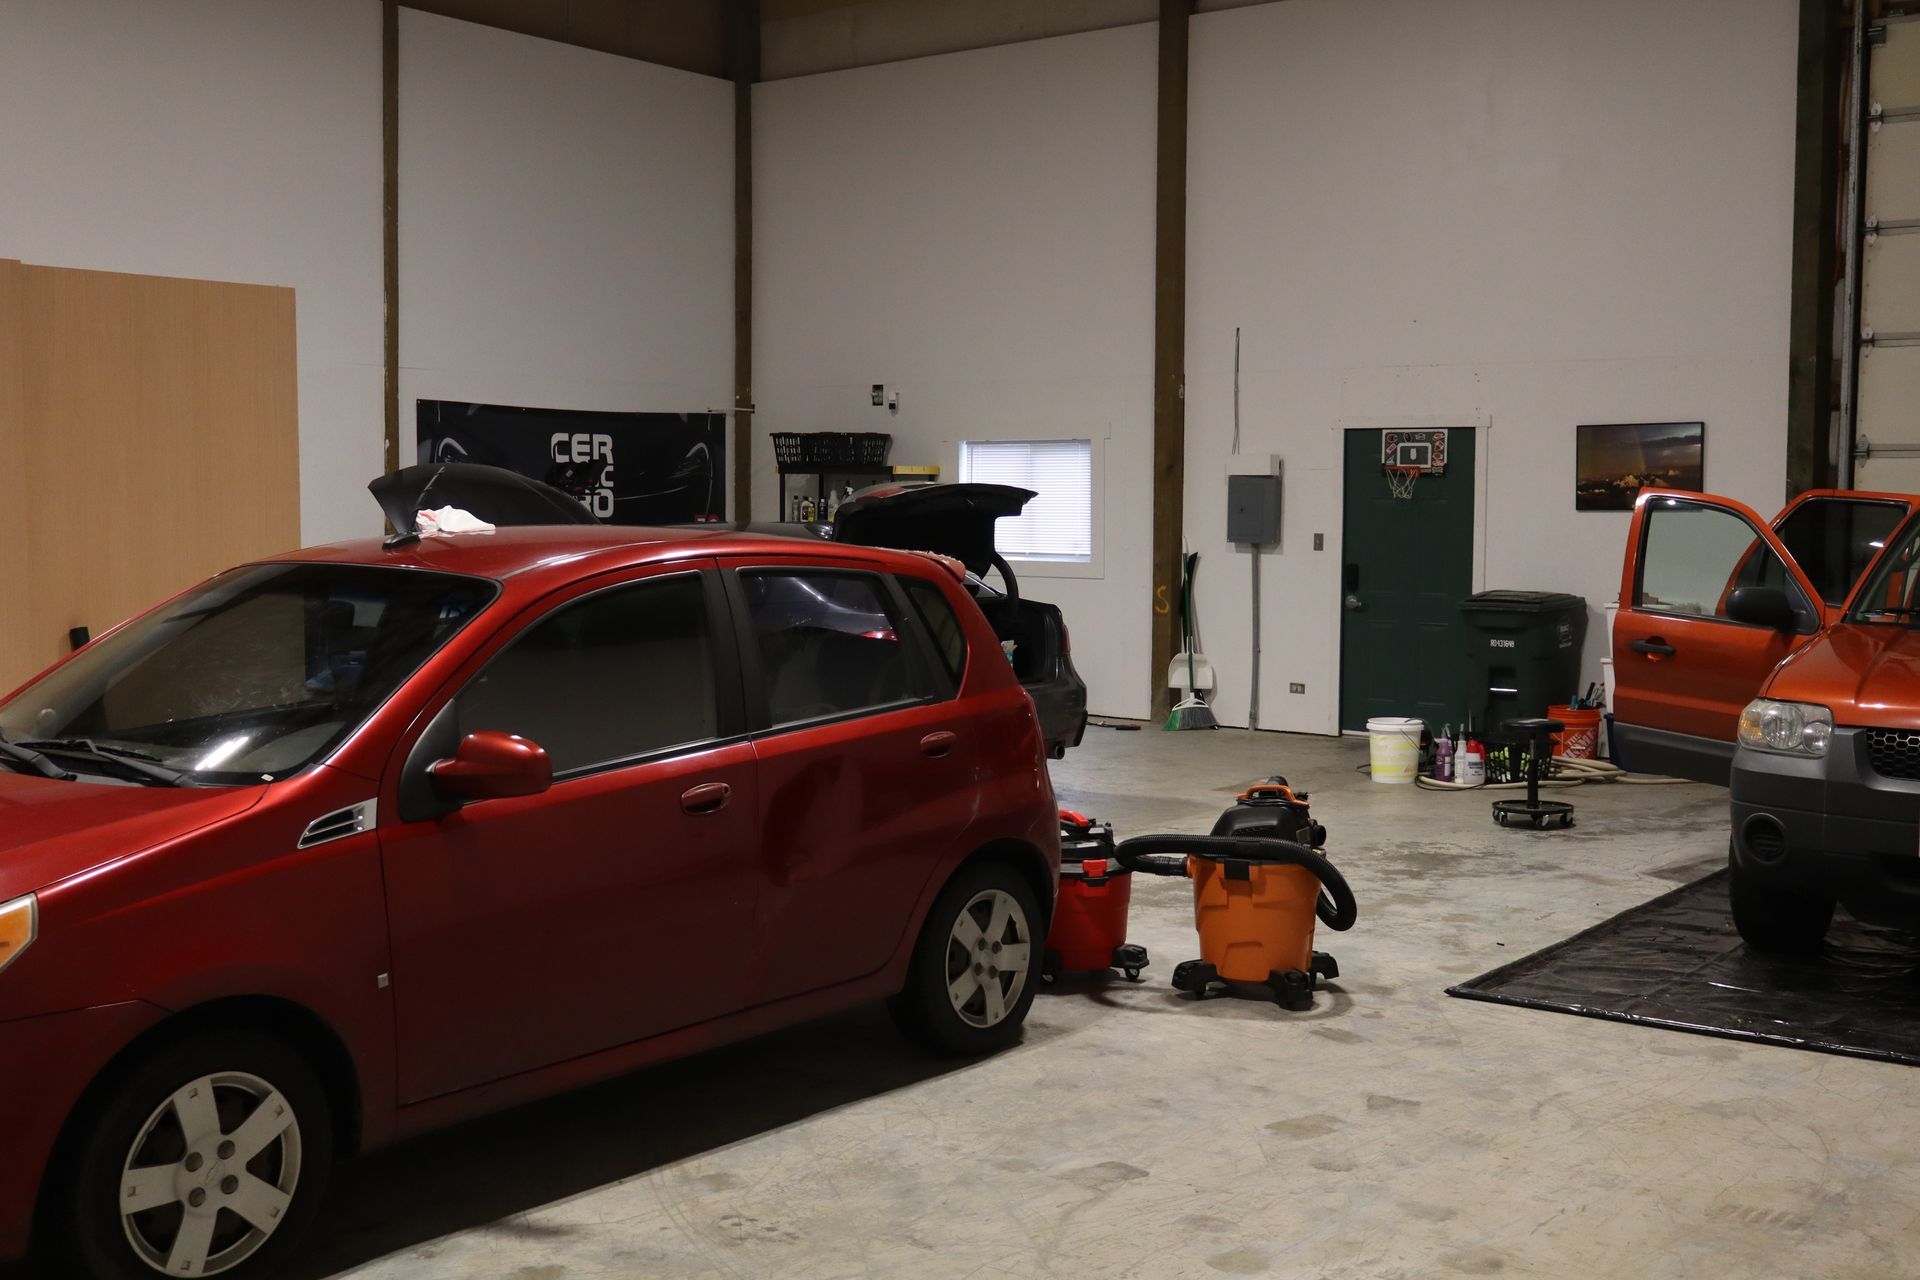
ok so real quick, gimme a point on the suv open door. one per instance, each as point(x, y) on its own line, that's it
point(1712, 598)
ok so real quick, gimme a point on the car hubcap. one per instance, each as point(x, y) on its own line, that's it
point(988, 954)
point(211, 1174)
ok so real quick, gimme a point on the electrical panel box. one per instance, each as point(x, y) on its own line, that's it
point(1253, 510)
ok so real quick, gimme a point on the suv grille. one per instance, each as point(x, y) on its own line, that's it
point(1895, 753)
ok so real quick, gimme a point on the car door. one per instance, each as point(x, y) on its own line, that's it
point(1835, 535)
point(1683, 667)
point(618, 904)
point(867, 766)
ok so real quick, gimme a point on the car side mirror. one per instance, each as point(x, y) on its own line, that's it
point(492, 766)
point(1763, 606)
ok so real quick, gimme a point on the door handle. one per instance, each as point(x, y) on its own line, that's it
point(708, 797)
point(1656, 646)
point(938, 744)
point(1351, 603)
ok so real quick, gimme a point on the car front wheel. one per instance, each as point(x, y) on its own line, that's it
point(975, 966)
point(1782, 921)
point(207, 1159)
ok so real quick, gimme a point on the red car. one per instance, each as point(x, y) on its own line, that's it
point(353, 843)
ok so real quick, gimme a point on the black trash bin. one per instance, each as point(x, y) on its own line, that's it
point(1523, 653)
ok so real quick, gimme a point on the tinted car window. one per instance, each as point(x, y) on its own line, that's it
point(1834, 539)
point(942, 623)
point(1694, 556)
point(828, 645)
point(606, 678)
point(255, 673)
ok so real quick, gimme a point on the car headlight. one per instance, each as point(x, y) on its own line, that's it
point(1786, 728)
point(19, 924)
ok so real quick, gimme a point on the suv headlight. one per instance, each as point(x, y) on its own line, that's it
point(1786, 728)
point(19, 925)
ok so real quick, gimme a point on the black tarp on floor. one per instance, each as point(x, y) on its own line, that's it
point(1676, 962)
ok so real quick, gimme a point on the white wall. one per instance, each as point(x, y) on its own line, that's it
point(566, 226)
point(1521, 216)
point(975, 229)
point(223, 140)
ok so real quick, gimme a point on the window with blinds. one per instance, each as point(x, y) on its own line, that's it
point(1058, 523)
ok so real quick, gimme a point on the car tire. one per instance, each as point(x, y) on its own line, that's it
point(962, 997)
point(1775, 920)
point(238, 1217)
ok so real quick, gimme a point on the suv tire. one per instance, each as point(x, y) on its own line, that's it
point(1775, 920)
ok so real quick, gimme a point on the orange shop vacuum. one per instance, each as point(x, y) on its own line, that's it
point(1258, 886)
point(1089, 931)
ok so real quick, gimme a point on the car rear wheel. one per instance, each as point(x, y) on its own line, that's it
point(976, 964)
point(1769, 918)
point(207, 1159)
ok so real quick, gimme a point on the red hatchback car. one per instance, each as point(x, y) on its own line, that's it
point(349, 844)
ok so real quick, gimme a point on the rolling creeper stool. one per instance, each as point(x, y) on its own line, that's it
point(1533, 811)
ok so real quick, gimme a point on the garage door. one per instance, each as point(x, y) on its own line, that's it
point(1887, 413)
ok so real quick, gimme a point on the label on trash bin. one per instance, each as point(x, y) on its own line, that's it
point(1496, 642)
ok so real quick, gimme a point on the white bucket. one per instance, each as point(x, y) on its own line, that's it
point(1395, 745)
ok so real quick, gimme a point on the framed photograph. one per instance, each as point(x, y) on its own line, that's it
point(1615, 461)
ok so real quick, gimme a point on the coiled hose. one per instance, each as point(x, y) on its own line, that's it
point(1167, 856)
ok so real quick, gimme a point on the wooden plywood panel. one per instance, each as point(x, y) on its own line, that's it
point(15, 659)
point(159, 439)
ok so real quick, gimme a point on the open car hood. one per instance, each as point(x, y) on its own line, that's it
point(951, 519)
point(495, 494)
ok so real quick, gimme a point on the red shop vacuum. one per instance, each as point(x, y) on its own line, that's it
point(1089, 933)
point(1259, 883)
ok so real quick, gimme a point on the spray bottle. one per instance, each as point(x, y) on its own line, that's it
point(1443, 755)
point(1472, 767)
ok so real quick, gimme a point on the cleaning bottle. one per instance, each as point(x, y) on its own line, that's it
point(1472, 767)
point(1443, 755)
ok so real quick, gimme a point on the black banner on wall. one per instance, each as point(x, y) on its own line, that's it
point(627, 468)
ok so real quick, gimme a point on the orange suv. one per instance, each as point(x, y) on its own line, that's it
point(1783, 659)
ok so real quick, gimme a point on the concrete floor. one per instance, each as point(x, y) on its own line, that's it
point(1391, 1132)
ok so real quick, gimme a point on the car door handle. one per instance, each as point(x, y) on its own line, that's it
point(708, 797)
point(938, 744)
point(1660, 647)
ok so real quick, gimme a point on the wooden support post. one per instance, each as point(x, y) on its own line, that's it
point(1816, 191)
point(390, 218)
point(1169, 343)
point(743, 45)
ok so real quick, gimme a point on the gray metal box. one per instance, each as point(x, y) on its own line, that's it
point(1253, 510)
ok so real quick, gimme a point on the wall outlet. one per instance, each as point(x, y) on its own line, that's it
point(1296, 687)
point(1319, 542)
point(879, 394)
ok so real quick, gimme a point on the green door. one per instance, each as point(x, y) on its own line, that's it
point(1408, 563)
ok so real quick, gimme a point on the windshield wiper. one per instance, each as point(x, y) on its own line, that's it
point(138, 763)
point(32, 761)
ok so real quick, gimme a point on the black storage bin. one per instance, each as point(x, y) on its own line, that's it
point(1523, 653)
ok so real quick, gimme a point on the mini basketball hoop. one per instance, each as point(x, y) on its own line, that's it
point(1400, 480)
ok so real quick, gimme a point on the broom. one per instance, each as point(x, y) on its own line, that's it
point(1192, 711)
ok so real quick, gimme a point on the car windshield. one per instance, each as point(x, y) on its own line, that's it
point(1889, 595)
point(249, 677)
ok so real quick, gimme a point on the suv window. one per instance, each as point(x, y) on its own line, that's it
point(1834, 539)
point(1694, 556)
point(829, 645)
point(943, 624)
point(616, 675)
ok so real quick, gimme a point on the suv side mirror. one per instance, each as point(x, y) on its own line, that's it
point(1763, 606)
point(492, 766)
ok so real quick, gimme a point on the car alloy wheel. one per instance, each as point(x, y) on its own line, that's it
point(210, 1175)
point(989, 954)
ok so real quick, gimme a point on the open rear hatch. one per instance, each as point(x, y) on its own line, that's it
point(496, 495)
point(953, 519)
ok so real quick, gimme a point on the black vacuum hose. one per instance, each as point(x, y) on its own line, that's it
point(1167, 856)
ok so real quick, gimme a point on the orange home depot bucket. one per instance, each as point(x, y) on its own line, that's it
point(1581, 738)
